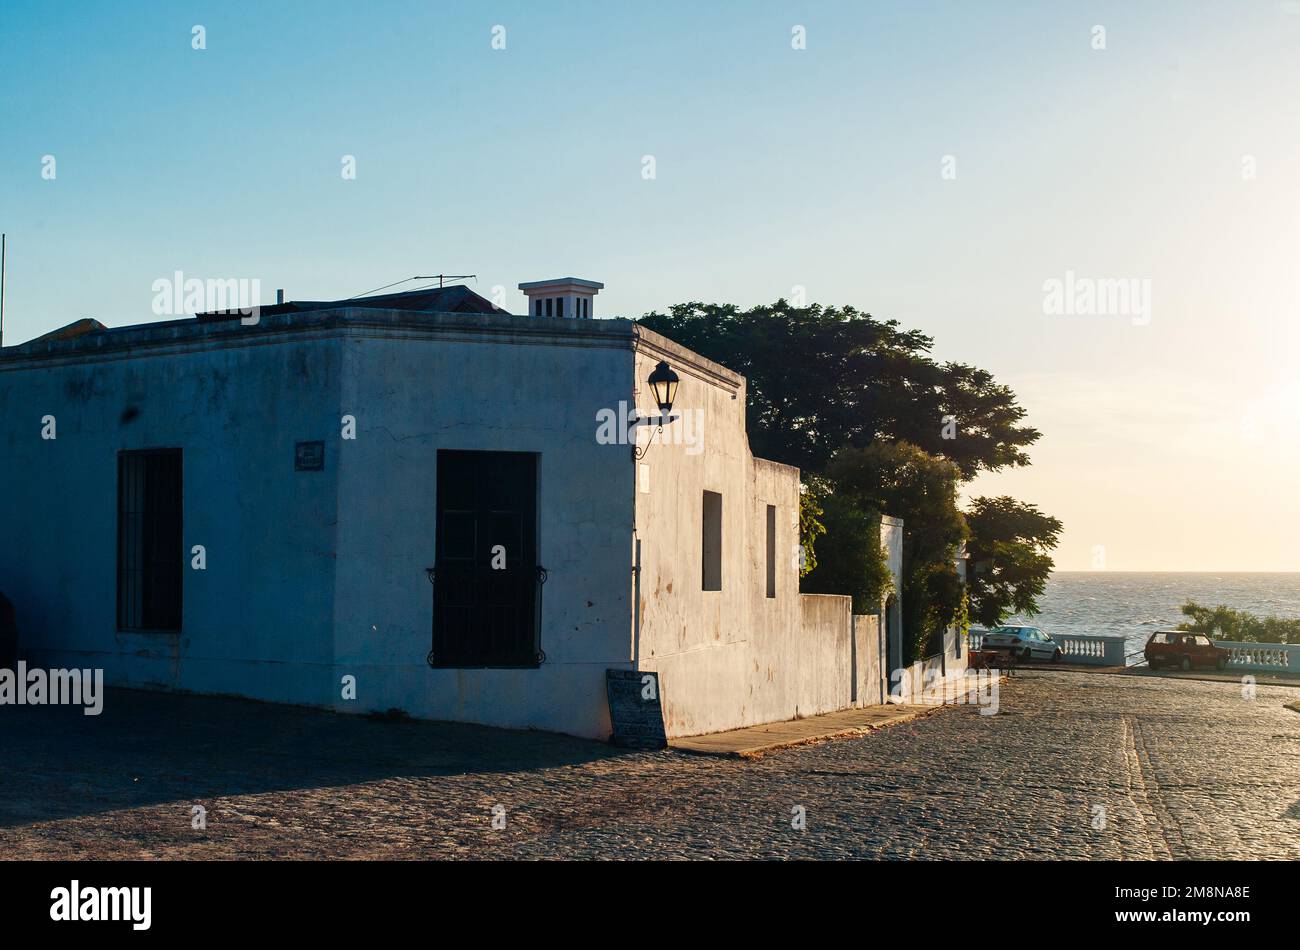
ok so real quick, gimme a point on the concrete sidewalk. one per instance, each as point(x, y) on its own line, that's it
point(754, 741)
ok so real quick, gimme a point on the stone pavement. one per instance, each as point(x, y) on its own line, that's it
point(1073, 766)
point(754, 741)
point(1210, 676)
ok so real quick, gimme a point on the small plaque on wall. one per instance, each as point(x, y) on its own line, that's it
point(309, 457)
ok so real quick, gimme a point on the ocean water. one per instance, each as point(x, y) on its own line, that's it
point(1137, 604)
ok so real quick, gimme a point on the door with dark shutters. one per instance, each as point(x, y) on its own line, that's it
point(485, 582)
point(150, 552)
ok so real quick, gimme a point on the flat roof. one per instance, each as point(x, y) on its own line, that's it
point(562, 282)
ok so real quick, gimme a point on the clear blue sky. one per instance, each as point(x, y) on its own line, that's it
point(1171, 445)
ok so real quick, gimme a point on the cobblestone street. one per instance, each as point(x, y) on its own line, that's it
point(1075, 766)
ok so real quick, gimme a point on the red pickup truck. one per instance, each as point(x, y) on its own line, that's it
point(1184, 650)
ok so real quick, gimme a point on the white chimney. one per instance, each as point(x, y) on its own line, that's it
point(563, 297)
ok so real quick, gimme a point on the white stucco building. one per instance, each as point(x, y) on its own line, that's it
point(421, 495)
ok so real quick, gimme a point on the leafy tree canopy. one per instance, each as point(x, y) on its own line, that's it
point(902, 478)
point(850, 558)
point(826, 378)
point(812, 492)
point(1225, 623)
point(1009, 563)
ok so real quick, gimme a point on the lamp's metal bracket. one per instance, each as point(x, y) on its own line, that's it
point(654, 420)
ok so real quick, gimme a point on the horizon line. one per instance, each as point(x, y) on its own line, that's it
point(1196, 571)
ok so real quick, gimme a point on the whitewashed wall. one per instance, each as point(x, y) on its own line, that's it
point(733, 657)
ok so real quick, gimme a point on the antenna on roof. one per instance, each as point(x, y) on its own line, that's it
point(442, 278)
point(438, 277)
point(4, 239)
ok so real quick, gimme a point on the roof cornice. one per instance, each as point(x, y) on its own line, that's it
point(184, 336)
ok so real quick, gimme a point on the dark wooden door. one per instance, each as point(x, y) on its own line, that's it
point(485, 578)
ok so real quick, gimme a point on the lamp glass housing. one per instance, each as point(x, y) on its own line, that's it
point(663, 384)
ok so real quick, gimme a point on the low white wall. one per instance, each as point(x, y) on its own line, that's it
point(1110, 649)
point(1262, 657)
point(1098, 650)
point(770, 677)
point(822, 655)
point(869, 681)
point(1103, 649)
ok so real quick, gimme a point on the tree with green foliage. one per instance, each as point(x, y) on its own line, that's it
point(825, 378)
point(812, 493)
point(901, 477)
point(1009, 563)
point(851, 559)
point(1226, 623)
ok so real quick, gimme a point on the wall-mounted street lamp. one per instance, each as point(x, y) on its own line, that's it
point(663, 385)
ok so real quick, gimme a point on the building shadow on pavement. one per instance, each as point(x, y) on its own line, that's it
point(150, 748)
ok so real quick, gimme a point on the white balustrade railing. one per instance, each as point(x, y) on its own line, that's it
point(1103, 649)
point(1110, 650)
point(1262, 657)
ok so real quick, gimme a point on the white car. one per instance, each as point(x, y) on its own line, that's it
point(1026, 643)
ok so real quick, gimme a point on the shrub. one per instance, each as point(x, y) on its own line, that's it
point(1227, 623)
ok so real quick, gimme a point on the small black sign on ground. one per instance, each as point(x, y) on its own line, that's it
point(634, 709)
